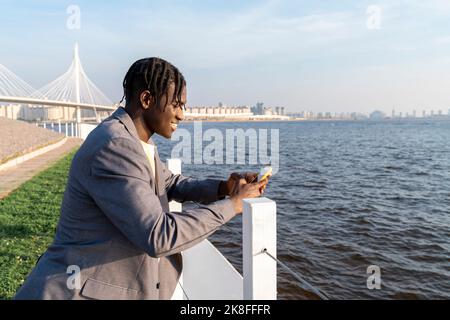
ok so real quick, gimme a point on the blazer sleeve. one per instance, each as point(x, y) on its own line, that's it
point(120, 185)
point(181, 188)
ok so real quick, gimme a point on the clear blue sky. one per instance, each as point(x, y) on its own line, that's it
point(304, 55)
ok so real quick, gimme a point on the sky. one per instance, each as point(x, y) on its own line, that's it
point(320, 56)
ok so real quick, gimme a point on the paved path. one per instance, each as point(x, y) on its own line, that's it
point(11, 179)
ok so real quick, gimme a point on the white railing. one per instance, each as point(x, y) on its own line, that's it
point(69, 129)
point(208, 275)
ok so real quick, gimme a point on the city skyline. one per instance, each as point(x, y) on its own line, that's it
point(299, 55)
point(260, 105)
point(259, 109)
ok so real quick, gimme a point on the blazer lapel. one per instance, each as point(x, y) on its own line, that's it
point(123, 117)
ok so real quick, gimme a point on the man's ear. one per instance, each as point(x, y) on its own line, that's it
point(146, 99)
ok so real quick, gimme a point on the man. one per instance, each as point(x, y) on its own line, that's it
point(116, 237)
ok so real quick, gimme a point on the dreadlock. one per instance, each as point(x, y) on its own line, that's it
point(154, 75)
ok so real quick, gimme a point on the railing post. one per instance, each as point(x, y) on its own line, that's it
point(174, 165)
point(59, 126)
point(259, 226)
point(66, 126)
point(71, 129)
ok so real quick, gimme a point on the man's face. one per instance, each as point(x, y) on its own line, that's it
point(163, 119)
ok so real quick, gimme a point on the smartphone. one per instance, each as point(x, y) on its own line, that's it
point(264, 173)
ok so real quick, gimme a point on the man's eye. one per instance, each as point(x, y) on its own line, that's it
point(181, 106)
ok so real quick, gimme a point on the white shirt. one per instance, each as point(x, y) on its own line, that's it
point(149, 150)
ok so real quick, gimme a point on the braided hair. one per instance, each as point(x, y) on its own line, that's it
point(154, 75)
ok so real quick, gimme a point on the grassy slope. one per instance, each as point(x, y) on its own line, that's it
point(28, 218)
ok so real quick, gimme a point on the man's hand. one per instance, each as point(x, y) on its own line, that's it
point(241, 186)
point(246, 190)
point(227, 188)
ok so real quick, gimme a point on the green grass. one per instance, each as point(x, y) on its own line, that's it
point(28, 218)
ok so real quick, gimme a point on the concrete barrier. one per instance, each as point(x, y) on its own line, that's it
point(32, 154)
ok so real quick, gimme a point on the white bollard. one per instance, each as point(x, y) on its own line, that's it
point(52, 125)
point(59, 126)
point(45, 126)
point(259, 226)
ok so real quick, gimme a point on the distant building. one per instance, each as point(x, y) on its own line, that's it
point(246, 109)
point(258, 109)
point(267, 111)
point(377, 115)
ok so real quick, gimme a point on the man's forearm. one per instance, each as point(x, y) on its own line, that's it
point(199, 190)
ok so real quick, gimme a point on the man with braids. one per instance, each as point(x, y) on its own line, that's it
point(116, 237)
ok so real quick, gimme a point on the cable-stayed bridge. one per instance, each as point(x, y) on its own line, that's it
point(72, 96)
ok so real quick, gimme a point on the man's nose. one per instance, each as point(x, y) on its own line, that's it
point(180, 114)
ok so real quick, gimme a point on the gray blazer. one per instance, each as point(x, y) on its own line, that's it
point(115, 222)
